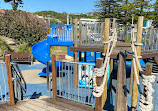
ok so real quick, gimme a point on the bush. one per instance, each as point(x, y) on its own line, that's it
point(3, 47)
point(24, 48)
point(22, 26)
point(53, 21)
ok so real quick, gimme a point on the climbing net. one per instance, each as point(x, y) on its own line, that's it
point(103, 71)
point(145, 103)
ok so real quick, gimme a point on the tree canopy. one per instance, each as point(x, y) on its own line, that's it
point(123, 9)
point(14, 3)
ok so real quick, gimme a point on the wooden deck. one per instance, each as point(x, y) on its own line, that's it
point(45, 104)
point(126, 47)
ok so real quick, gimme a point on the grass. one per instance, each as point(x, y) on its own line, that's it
point(58, 50)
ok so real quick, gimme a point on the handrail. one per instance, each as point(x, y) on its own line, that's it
point(20, 84)
point(20, 76)
point(48, 77)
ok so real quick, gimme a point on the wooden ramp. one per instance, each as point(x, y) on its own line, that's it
point(44, 104)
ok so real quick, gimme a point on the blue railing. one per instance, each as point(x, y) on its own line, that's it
point(64, 32)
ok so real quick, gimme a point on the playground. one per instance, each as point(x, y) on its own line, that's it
point(102, 70)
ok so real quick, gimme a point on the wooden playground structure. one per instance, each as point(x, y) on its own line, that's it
point(83, 42)
point(123, 53)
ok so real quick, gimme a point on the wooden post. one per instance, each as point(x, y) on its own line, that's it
point(10, 82)
point(80, 32)
point(102, 26)
point(114, 23)
point(138, 48)
point(111, 73)
point(121, 93)
point(132, 65)
point(54, 84)
point(98, 101)
point(131, 78)
point(75, 79)
point(106, 33)
point(106, 39)
point(86, 32)
point(148, 71)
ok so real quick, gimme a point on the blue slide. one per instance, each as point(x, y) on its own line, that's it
point(41, 50)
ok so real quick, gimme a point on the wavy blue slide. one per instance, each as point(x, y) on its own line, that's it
point(41, 50)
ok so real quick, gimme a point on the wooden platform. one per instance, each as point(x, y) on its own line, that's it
point(96, 47)
point(45, 104)
point(120, 46)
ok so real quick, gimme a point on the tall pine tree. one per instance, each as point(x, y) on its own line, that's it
point(107, 8)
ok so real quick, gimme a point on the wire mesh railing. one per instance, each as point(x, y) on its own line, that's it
point(74, 82)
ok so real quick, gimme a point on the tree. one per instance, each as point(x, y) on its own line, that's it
point(14, 3)
point(107, 8)
point(127, 8)
point(142, 7)
point(123, 10)
point(154, 14)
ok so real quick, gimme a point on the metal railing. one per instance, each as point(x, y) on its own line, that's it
point(92, 33)
point(150, 39)
point(64, 32)
point(4, 94)
point(74, 85)
point(18, 82)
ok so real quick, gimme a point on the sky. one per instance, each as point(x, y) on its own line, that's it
point(68, 6)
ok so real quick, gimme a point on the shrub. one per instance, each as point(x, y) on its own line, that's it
point(24, 48)
point(22, 26)
point(3, 47)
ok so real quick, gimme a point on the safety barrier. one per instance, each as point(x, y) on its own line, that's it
point(150, 39)
point(11, 78)
point(64, 32)
point(4, 94)
point(73, 81)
